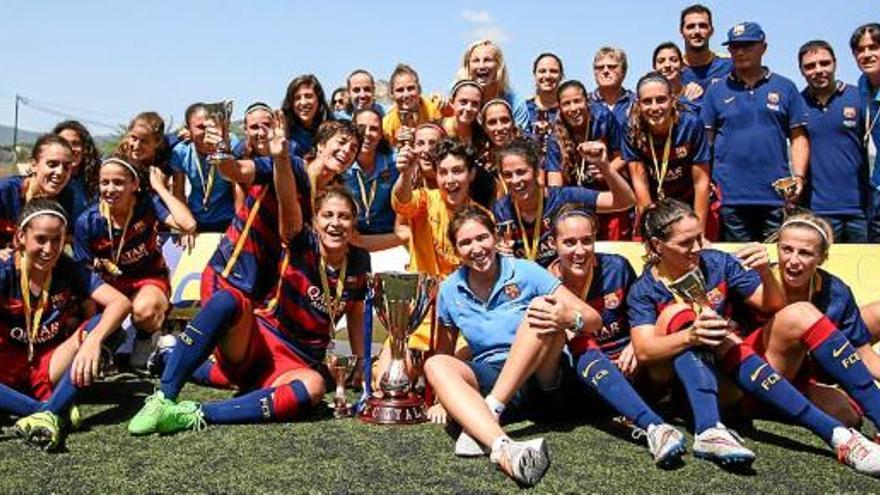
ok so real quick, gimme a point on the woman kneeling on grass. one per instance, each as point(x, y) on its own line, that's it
point(679, 335)
point(47, 354)
point(488, 299)
point(271, 354)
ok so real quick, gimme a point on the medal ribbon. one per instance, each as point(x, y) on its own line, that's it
point(531, 249)
point(207, 186)
point(239, 244)
point(660, 169)
point(32, 318)
point(105, 212)
point(331, 301)
point(367, 198)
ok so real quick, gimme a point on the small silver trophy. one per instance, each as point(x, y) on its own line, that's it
point(220, 114)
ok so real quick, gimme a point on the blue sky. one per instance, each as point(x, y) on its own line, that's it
point(104, 61)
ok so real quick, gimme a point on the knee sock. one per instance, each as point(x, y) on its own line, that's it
point(208, 374)
point(62, 395)
point(197, 341)
point(17, 403)
point(596, 371)
point(833, 351)
point(701, 386)
point(758, 378)
point(260, 406)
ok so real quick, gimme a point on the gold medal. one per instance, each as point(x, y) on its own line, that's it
point(367, 198)
point(661, 169)
point(111, 265)
point(33, 318)
point(531, 248)
point(332, 301)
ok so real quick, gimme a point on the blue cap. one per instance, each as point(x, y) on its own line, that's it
point(744, 32)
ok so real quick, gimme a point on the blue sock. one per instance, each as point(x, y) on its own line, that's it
point(202, 374)
point(62, 396)
point(837, 356)
point(758, 378)
point(260, 406)
point(197, 341)
point(17, 403)
point(701, 386)
point(595, 370)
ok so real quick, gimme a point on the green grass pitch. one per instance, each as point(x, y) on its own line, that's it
point(321, 454)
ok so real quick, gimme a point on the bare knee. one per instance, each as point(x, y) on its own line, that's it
point(793, 320)
point(147, 314)
point(435, 366)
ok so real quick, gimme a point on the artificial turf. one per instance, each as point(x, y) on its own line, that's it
point(322, 454)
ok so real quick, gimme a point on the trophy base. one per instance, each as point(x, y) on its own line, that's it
point(406, 410)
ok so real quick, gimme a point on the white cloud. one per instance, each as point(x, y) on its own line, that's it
point(490, 32)
point(477, 16)
point(484, 26)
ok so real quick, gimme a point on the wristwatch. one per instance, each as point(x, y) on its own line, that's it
point(577, 324)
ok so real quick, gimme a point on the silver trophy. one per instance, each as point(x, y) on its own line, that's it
point(340, 367)
point(220, 114)
point(401, 301)
point(691, 287)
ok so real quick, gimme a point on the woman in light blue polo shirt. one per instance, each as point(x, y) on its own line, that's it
point(509, 311)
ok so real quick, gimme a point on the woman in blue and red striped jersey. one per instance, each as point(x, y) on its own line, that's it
point(46, 350)
point(679, 331)
point(566, 163)
point(270, 353)
point(605, 358)
point(116, 238)
point(51, 166)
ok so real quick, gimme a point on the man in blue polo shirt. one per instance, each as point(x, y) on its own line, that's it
point(838, 188)
point(751, 115)
point(609, 68)
point(701, 64)
point(865, 46)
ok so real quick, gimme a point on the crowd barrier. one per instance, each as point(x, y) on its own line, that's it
point(857, 264)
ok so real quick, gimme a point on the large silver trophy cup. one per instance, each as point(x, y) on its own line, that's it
point(401, 301)
point(221, 114)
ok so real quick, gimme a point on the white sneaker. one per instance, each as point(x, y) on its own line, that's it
point(860, 454)
point(723, 446)
point(466, 446)
point(524, 462)
point(666, 444)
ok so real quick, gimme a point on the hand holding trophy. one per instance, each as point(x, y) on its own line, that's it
point(709, 329)
point(220, 119)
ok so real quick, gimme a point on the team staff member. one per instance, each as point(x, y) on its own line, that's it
point(526, 212)
point(865, 46)
point(838, 189)
point(666, 150)
point(47, 353)
point(51, 164)
point(751, 115)
point(211, 199)
point(702, 65)
point(609, 69)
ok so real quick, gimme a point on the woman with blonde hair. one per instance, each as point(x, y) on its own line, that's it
point(483, 62)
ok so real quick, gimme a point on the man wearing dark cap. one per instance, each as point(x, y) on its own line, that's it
point(752, 115)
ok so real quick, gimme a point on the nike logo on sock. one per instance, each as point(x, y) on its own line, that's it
point(838, 352)
point(754, 376)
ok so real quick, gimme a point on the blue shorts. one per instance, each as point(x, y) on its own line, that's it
point(530, 401)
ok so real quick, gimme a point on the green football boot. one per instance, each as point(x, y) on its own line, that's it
point(146, 421)
point(185, 415)
point(42, 430)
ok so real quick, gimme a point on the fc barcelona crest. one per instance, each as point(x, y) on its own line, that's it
point(739, 29)
point(681, 151)
point(611, 300)
point(849, 112)
point(512, 291)
point(773, 97)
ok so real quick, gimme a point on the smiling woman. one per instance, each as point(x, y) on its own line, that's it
point(305, 109)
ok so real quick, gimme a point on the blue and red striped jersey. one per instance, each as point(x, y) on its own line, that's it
point(140, 256)
point(12, 193)
point(296, 306)
point(255, 270)
point(61, 316)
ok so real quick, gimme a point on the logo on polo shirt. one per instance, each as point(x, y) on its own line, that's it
point(512, 290)
point(773, 97)
point(849, 112)
point(739, 29)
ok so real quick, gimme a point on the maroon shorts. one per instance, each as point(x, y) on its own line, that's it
point(267, 358)
point(129, 286)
